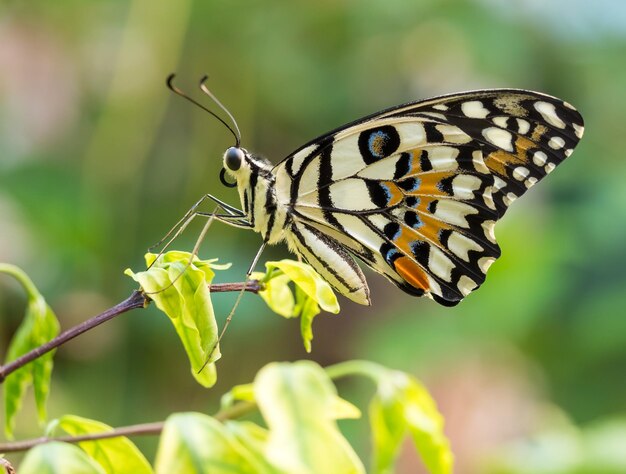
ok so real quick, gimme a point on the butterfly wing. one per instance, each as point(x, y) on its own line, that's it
point(415, 190)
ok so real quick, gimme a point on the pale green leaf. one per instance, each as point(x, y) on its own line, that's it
point(277, 294)
point(298, 402)
point(181, 291)
point(237, 393)
point(308, 309)
point(193, 443)
point(39, 326)
point(403, 405)
point(309, 281)
point(58, 458)
point(342, 409)
point(400, 407)
point(311, 292)
point(116, 455)
point(254, 438)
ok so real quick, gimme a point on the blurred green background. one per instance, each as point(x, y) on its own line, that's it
point(99, 160)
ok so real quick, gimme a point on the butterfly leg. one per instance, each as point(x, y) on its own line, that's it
point(237, 301)
point(233, 216)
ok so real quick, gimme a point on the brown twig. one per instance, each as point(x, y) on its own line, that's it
point(145, 429)
point(136, 300)
point(253, 286)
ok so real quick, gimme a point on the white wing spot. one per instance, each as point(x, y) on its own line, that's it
point(466, 285)
point(485, 262)
point(488, 227)
point(578, 130)
point(556, 143)
point(523, 126)
point(568, 152)
point(530, 181)
point(454, 212)
point(499, 183)
point(520, 173)
point(479, 162)
point(548, 112)
point(443, 158)
point(439, 264)
point(550, 167)
point(501, 121)
point(443, 107)
point(488, 198)
point(464, 185)
point(509, 198)
point(453, 134)
point(568, 105)
point(498, 137)
point(540, 158)
point(474, 109)
point(460, 245)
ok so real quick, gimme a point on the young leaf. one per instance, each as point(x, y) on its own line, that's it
point(196, 443)
point(298, 402)
point(309, 281)
point(311, 292)
point(39, 326)
point(116, 455)
point(277, 294)
point(181, 291)
point(243, 392)
point(58, 458)
point(402, 404)
point(254, 438)
point(308, 309)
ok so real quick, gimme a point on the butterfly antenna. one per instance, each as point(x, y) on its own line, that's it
point(206, 90)
point(177, 91)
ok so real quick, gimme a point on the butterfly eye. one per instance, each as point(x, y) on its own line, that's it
point(233, 158)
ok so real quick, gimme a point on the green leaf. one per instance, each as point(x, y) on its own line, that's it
point(39, 326)
point(311, 292)
point(298, 402)
point(254, 438)
point(116, 455)
point(309, 281)
point(181, 291)
point(277, 294)
point(195, 443)
point(58, 458)
point(402, 404)
point(308, 309)
point(238, 392)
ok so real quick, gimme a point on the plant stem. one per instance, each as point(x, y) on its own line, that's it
point(356, 367)
point(136, 300)
point(144, 429)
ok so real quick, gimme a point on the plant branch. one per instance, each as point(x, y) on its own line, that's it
point(136, 300)
point(145, 429)
point(253, 286)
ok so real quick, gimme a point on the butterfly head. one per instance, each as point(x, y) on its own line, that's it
point(236, 164)
point(234, 158)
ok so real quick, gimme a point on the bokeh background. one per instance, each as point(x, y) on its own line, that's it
point(98, 160)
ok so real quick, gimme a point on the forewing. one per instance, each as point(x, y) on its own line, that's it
point(415, 190)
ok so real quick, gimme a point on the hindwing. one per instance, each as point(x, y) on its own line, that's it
point(415, 191)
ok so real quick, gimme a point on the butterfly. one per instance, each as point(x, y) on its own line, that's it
point(413, 191)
